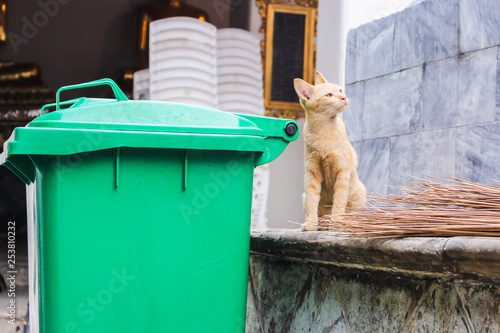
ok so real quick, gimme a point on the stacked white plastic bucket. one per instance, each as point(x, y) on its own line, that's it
point(182, 61)
point(193, 63)
point(141, 85)
point(239, 71)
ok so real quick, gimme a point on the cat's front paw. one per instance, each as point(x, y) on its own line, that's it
point(310, 226)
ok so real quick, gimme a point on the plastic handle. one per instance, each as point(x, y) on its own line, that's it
point(71, 101)
point(120, 96)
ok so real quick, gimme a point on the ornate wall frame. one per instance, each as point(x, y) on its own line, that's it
point(269, 9)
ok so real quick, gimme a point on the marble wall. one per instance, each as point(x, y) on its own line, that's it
point(424, 86)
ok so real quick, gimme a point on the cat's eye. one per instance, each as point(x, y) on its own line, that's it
point(329, 95)
point(340, 91)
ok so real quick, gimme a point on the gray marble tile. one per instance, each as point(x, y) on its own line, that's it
point(409, 37)
point(492, 22)
point(477, 87)
point(441, 33)
point(426, 31)
point(374, 48)
point(351, 58)
point(353, 115)
point(430, 153)
point(392, 104)
point(479, 24)
point(440, 94)
point(478, 153)
point(373, 164)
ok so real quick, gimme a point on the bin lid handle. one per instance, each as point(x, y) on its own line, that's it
point(120, 96)
point(76, 101)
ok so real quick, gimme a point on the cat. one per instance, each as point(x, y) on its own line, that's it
point(332, 185)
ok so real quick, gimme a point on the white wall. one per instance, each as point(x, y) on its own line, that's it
point(286, 185)
point(254, 21)
point(331, 41)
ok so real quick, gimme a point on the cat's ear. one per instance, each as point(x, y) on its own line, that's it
point(303, 89)
point(319, 79)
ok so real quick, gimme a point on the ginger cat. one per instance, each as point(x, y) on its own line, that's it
point(332, 185)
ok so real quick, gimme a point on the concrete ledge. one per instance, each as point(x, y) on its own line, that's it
point(476, 258)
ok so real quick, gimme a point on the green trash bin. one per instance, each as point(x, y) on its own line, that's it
point(141, 219)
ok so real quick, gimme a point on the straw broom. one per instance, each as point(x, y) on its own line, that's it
point(451, 207)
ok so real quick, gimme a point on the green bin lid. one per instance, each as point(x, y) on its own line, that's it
point(96, 124)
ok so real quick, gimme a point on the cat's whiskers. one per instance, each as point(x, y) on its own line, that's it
point(327, 114)
point(349, 109)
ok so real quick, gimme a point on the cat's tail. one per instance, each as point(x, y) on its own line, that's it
point(357, 194)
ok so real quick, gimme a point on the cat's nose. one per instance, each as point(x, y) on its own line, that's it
point(343, 98)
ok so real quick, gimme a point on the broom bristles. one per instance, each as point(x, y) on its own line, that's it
point(449, 207)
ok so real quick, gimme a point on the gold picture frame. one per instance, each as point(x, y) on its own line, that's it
point(288, 51)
